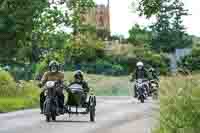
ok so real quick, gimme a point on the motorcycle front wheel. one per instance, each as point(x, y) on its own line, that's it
point(48, 118)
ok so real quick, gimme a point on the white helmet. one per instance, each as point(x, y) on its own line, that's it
point(140, 64)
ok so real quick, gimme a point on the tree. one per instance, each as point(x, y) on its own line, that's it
point(28, 25)
point(139, 35)
point(168, 31)
point(180, 38)
point(149, 7)
point(76, 9)
point(87, 47)
point(16, 34)
point(162, 31)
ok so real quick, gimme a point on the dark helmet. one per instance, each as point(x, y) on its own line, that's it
point(78, 75)
point(54, 66)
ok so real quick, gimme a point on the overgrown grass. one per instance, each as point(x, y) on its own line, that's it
point(179, 105)
point(8, 104)
point(16, 96)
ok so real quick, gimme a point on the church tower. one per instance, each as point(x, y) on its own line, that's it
point(99, 16)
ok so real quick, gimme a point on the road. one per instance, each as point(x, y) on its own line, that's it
point(113, 115)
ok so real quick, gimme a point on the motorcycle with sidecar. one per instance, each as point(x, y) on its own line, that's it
point(78, 102)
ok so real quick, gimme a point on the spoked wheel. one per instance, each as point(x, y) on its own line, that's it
point(53, 117)
point(141, 98)
point(92, 108)
point(92, 114)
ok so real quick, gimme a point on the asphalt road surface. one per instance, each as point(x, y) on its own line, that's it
point(113, 115)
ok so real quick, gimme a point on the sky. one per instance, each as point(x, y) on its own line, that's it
point(123, 16)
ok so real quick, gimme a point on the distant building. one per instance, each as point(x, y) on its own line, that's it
point(98, 17)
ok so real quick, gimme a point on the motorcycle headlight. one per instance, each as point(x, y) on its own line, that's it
point(50, 84)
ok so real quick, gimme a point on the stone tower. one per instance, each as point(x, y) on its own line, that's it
point(103, 17)
point(99, 16)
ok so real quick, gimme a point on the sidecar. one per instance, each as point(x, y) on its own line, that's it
point(80, 102)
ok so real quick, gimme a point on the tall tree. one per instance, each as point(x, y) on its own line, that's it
point(162, 30)
point(16, 27)
point(169, 32)
point(180, 38)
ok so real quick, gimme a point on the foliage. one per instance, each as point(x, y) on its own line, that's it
point(76, 9)
point(28, 26)
point(152, 59)
point(17, 34)
point(139, 36)
point(179, 104)
point(15, 96)
point(149, 7)
point(192, 61)
point(86, 47)
point(168, 31)
point(9, 88)
point(129, 56)
point(8, 104)
point(41, 67)
point(104, 66)
point(7, 84)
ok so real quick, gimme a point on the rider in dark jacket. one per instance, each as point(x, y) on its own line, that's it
point(140, 73)
point(52, 75)
point(153, 73)
point(153, 77)
point(79, 79)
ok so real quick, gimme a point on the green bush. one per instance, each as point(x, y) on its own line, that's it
point(7, 84)
point(14, 96)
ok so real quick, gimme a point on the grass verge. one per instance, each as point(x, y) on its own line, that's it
point(179, 105)
point(8, 104)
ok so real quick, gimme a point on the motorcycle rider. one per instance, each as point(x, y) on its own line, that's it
point(153, 76)
point(53, 75)
point(140, 73)
point(79, 79)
